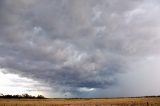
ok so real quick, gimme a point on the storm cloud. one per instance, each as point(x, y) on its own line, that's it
point(78, 46)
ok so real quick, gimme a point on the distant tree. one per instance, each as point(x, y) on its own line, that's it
point(8, 96)
point(40, 97)
point(27, 96)
point(17, 96)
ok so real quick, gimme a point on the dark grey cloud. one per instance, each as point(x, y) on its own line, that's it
point(76, 44)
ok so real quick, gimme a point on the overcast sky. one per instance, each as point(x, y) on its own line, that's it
point(80, 48)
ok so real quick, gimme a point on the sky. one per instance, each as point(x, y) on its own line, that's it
point(80, 48)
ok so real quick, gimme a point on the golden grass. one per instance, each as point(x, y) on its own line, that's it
point(82, 102)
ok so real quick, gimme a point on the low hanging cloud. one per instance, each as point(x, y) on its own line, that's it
point(77, 46)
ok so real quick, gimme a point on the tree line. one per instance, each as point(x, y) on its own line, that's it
point(23, 96)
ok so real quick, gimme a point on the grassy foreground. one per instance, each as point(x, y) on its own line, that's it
point(82, 102)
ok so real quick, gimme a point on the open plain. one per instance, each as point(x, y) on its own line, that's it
point(82, 102)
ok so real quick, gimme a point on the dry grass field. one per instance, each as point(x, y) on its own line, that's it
point(82, 102)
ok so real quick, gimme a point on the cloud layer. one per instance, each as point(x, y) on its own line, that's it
point(77, 47)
